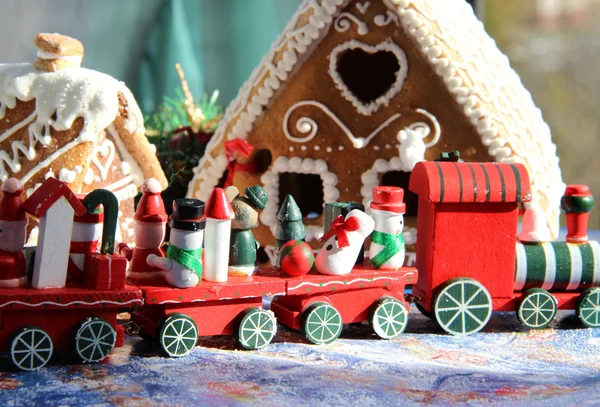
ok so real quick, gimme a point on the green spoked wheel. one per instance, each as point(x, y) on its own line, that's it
point(322, 323)
point(537, 308)
point(462, 306)
point(177, 335)
point(30, 348)
point(94, 339)
point(389, 318)
point(588, 307)
point(256, 329)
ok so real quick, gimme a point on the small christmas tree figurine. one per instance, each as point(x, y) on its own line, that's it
point(289, 223)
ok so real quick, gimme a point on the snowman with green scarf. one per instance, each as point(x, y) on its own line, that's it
point(183, 264)
point(387, 249)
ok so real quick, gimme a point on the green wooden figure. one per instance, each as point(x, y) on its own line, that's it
point(289, 224)
point(243, 245)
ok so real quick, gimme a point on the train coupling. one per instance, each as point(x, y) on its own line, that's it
point(131, 328)
point(409, 298)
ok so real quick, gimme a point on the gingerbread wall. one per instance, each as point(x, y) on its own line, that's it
point(311, 82)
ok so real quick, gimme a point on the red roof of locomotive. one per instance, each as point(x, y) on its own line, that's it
point(451, 182)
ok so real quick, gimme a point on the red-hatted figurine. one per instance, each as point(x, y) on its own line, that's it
point(13, 228)
point(149, 233)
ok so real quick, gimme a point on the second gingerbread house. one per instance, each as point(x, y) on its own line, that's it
point(75, 124)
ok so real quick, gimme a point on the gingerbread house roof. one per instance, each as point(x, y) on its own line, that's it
point(459, 50)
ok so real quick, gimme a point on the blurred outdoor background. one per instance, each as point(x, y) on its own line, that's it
point(553, 44)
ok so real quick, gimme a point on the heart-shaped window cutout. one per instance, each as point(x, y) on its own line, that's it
point(368, 76)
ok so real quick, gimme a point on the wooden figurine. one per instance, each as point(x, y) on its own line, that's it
point(296, 258)
point(13, 228)
point(289, 223)
point(183, 264)
point(55, 205)
point(243, 245)
point(332, 210)
point(343, 242)
point(87, 230)
point(149, 229)
point(219, 214)
point(387, 245)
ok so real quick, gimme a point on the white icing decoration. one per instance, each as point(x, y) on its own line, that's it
point(50, 56)
point(382, 20)
point(363, 7)
point(387, 46)
point(291, 148)
point(104, 150)
point(479, 76)
point(303, 148)
point(412, 140)
point(125, 168)
point(317, 148)
point(343, 23)
point(68, 176)
point(329, 149)
point(67, 94)
point(270, 180)
point(376, 148)
point(410, 235)
point(313, 232)
point(306, 124)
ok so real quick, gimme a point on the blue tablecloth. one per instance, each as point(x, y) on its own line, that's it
point(505, 364)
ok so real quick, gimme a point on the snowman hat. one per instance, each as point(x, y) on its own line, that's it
point(258, 196)
point(11, 209)
point(390, 199)
point(188, 214)
point(151, 208)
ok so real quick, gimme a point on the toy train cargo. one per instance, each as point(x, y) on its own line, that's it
point(471, 261)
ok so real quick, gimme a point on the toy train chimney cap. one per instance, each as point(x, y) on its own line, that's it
point(577, 203)
point(218, 206)
point(188, 214)
point(151, 208)
point(390, 199)
point(11, 209)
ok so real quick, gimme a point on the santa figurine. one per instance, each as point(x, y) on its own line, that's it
point(149, 230)
point(13, 229)
point(343, 242)
point(387, 249)
point(183, 264)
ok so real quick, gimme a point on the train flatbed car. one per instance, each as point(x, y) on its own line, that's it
point(35, 323)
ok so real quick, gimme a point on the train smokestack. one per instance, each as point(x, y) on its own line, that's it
point(577, 204)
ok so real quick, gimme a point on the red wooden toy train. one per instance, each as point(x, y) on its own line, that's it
point(470, 259)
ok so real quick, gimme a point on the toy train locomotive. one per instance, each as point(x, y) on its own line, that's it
point(470, 262)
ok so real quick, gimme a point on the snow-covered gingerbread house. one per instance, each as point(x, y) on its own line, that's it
point(354, 93)
point(80, 126)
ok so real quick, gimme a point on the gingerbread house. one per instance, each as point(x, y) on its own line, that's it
point(354, 93)
point(78, 125)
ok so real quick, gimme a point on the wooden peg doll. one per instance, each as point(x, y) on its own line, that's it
point(243, 245)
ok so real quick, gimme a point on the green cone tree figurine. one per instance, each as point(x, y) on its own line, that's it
point(289, 223)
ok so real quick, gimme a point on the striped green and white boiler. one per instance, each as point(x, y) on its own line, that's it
point(557, 266)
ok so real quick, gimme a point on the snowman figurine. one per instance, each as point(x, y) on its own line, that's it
point(343, 242)
point(387, 249)
point(183, 265)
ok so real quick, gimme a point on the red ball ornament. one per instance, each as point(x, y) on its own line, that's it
point(296, 258)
